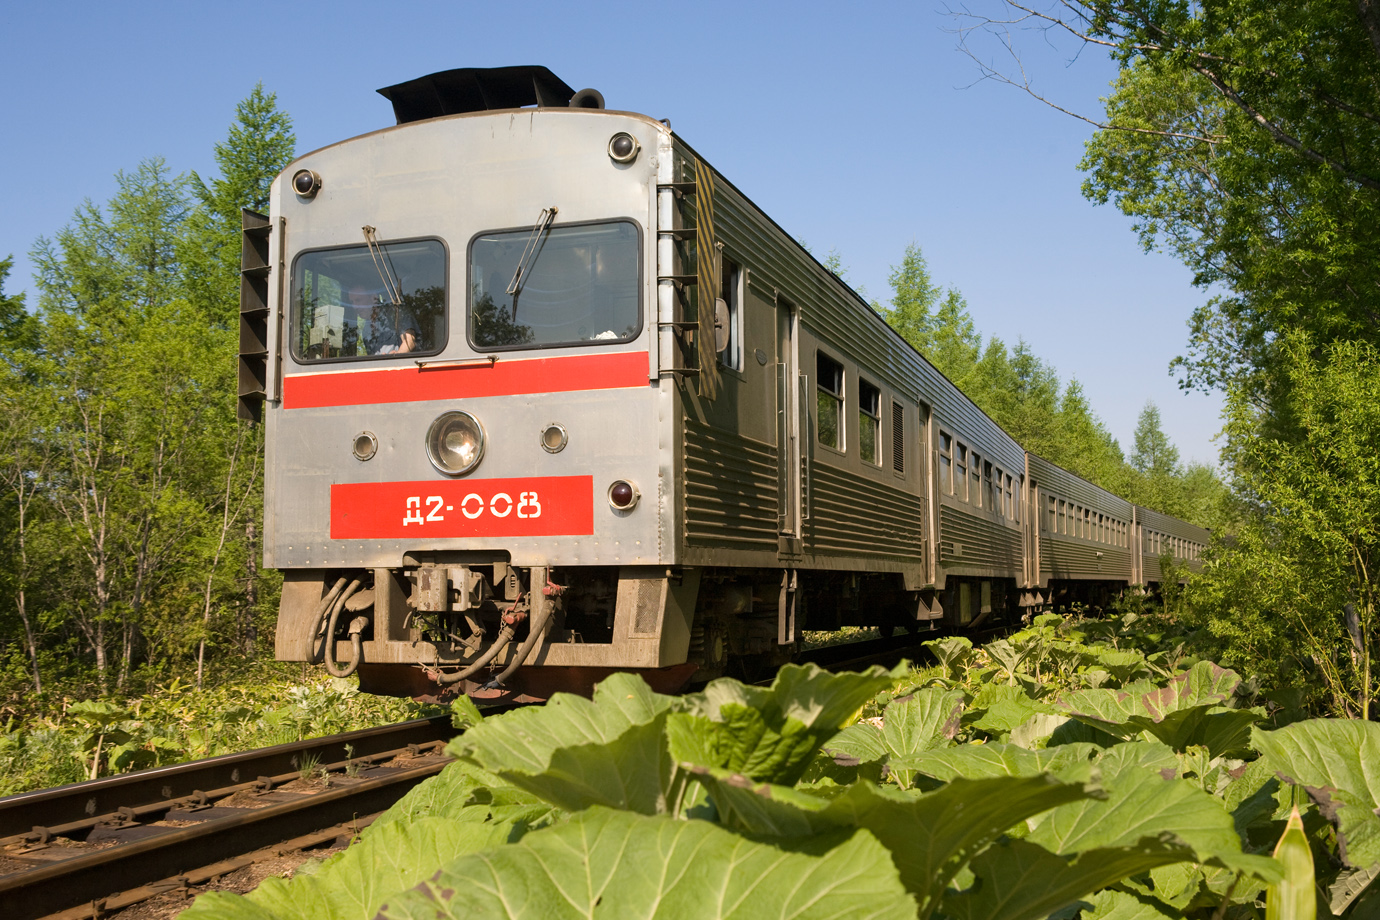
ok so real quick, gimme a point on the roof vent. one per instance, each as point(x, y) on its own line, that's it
point(479, 89)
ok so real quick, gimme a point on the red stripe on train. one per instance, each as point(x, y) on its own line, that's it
point(505, 377)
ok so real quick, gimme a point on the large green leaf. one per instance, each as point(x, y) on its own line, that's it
point(772, 733)
point(575, 752)
point(1143, 804)
point(926, 719)
point(1335, 760)
point(606, 863)
point(1069, 761)
point(1203, 684)
point(998, 708)
point(1185, 712)
point(1111, 904)
point(355, 883)
point(1019, 880)
point(448, 794)
point(931, 836)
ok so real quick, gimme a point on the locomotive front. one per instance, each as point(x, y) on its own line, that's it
point(464, 421)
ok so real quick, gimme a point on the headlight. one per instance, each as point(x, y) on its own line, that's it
point(455, 443)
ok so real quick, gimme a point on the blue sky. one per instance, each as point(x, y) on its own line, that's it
point(858, 128)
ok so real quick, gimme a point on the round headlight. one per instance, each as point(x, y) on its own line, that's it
point(455, 443)
point(623, 147)
point(306, 183)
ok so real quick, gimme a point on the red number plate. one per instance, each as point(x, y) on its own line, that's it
point(533, 507)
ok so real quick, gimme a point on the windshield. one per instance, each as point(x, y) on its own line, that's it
point(350, 303)
point(580, 286)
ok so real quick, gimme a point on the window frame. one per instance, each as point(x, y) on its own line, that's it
point(731, 358)
point(294, 321)
point(946, 463)
point(961, 456)
point(840, 396)
point(865, 386)
point(586, 343)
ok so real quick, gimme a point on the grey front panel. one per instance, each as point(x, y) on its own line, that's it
point(312, 453)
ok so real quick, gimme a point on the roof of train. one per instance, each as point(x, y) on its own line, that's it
point(478, 89)
point(475, 89)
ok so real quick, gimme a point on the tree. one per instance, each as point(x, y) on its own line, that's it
point(1303, 580)
point(1243, 136)
point(259, 144)
point(913, 298)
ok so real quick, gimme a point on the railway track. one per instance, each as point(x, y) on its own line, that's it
point(91, 848)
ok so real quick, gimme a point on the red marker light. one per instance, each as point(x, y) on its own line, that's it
point(623, 495)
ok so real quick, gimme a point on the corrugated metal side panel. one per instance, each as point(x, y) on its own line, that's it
point(1077, 559)
point(1151, 565)
point(985, 543)
point(1067, 486)
point(730, 490)
point(1171, 525)
point(836, 314)
point(853, 514)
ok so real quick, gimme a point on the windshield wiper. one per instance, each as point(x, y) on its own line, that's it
point(383, 265)
point(529, 254)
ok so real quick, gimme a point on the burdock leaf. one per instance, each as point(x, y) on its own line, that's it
point(351, 886)
point(931, 836)
point(1141, 804)
point(606, 863)
point(1334, 760)
point(771, 734)
point(575, 752)
point(1022, 881)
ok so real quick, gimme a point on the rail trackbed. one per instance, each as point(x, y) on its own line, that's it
point(88, 849)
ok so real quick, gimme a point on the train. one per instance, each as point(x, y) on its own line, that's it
point(545, 396)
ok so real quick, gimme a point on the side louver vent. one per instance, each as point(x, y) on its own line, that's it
point(254, 270)
point(898, 437)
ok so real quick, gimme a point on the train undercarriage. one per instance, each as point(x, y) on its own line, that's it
point(452, 625)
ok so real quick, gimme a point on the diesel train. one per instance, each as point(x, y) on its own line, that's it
point(545, 396)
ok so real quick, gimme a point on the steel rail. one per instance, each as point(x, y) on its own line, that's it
point(201, 875)
point(95, 875)
point(65, 809)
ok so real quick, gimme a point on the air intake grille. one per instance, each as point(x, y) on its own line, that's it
point(898, 437)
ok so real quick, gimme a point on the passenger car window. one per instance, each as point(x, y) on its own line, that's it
point(351, 304)
point(830, 401)
point(961, 473)
point(946, 462)
point(870, 422)
point(579, 285)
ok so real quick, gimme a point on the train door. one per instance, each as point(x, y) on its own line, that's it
point(930, 501)
point(789, 409)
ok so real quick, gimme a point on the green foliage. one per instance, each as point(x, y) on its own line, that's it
point(1293, 897)
point(176, 722)
point(1251, 154)
point(1024, 395)
point(1296, 590)
point(689, 869)
point(131, 494)
point(927, 809)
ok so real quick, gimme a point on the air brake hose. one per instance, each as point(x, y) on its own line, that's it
point(356, 641)
point(323, 616)
point(505, 635)
point(533, 634)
